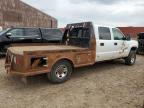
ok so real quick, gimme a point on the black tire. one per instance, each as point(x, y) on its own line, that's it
point(131, 59)
point(60, 72)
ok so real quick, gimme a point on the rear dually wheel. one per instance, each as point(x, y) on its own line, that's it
point(60, 72)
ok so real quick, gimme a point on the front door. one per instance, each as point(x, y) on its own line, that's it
point(120, 45)
point(25, 35)
point(16, 35)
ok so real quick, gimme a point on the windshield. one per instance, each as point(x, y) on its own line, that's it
point(4, 31)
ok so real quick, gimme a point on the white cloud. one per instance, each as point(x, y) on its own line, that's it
point(103, 12)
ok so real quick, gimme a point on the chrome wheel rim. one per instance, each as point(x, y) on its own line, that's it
point(61, 71)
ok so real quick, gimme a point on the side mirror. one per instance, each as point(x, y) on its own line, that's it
point(8, 35)
point(129, 38)
point(124, 38)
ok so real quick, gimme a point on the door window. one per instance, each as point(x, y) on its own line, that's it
point(16, 32)
point(104, 33)
point(31, 33)
point(117, 34)
point(25, 33)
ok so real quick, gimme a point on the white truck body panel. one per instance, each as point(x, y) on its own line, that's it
point(111, 51)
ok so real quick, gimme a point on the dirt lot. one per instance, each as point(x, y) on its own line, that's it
point(104, 85)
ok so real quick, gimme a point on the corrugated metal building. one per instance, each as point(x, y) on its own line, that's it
point(18, 13)
point(133, 31)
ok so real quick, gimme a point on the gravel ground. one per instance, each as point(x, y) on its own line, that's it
point(104, 85)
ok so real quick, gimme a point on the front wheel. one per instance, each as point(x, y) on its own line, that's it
point(131, 59)
point(60, 72)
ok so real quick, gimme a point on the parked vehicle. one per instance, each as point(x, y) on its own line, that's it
point(28, 35)
point(140, 49)
point(83, 44)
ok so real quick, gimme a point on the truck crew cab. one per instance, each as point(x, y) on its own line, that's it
point(83, 44)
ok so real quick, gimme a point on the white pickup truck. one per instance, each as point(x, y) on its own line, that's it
point(83, 44)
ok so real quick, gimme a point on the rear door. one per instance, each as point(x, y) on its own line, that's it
point(32, 35)
point(104, 48)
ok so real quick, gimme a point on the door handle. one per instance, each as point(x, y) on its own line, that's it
point(101, 44)
point(115, 44)
point(38, 38)
point(22, 38)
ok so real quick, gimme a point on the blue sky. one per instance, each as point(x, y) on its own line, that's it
point(102, 12)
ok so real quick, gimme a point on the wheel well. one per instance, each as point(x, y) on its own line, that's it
point(133, 48)
point(67, 61)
